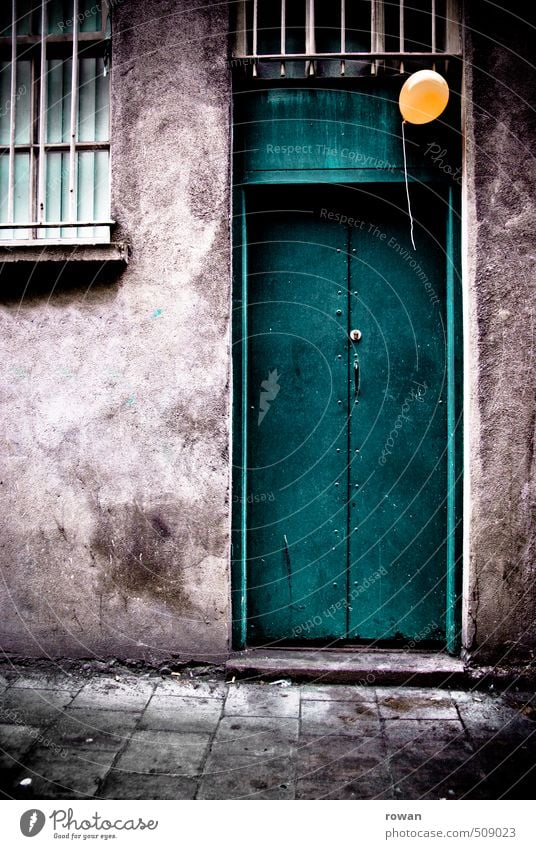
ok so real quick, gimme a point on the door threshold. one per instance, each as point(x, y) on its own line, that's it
point(363, 666)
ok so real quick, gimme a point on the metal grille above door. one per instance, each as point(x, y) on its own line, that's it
point(322, 38)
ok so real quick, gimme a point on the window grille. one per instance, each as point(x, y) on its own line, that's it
point(54, 121)
point(371, 34)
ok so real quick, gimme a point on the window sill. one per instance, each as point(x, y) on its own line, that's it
point(114, 252)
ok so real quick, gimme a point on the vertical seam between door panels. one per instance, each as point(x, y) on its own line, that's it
point(349, 423)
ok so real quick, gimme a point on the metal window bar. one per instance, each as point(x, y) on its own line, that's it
point(12, 116)
point(42, 111)
point(255, 26)
point(378, 43)
point(283, 35)
point(434, 31)
point(401, 40)
point(73, 195)
point(26, 165)
point(450, 49)
point(255, 33)
point(343, 36)
point(373, 30)
point(310, 40)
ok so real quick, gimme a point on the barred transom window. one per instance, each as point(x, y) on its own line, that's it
point(342, 37)
point(54, 121)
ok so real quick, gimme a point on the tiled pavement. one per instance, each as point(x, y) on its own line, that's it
point(140, 736)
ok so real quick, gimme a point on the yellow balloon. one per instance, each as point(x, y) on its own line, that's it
point(423, 97)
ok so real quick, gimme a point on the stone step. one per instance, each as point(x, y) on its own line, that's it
point(376, 667)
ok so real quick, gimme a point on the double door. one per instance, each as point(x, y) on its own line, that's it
point(345, 485)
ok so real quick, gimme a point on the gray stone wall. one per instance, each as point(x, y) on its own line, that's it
point(500, 286)
point(115, 396)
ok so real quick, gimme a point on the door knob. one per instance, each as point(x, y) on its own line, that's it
point(355, 335)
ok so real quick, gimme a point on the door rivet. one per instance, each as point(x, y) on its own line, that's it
point(339, 312)
point(335, 531)
point(334, 585)
point(336, 483)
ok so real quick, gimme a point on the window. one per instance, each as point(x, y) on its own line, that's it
point(335, 37)
point(54, 121)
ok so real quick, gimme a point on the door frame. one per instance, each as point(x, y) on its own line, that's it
point(453, 310)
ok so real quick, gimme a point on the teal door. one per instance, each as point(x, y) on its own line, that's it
point(345, 463)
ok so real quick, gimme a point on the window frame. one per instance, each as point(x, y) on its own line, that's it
point(39, 49)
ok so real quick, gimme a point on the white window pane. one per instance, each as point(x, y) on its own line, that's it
point(21, 200)
point(86, 99)
point(4, 183)
point(93, 192)
point(57, 194)
point(86, 183)
point(22, 191)
point(5, 95)
point(102, 193)
point(93, 101)
point(58, 99)
point(23, 95)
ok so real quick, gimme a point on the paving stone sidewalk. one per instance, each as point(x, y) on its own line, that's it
point(140, 736)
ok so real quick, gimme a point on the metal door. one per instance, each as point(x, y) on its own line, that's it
point(344, 496)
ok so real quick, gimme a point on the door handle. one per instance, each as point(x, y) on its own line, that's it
point(357, 378)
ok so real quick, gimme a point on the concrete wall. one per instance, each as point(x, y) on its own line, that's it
point(501, 297)
point(115, 399)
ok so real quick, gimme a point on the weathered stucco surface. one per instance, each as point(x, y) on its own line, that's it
point(115, 397)
point(501, 127)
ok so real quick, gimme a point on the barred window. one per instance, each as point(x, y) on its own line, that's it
point(54, 121)
point(342, 37)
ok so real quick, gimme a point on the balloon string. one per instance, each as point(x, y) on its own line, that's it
point(407, 187)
